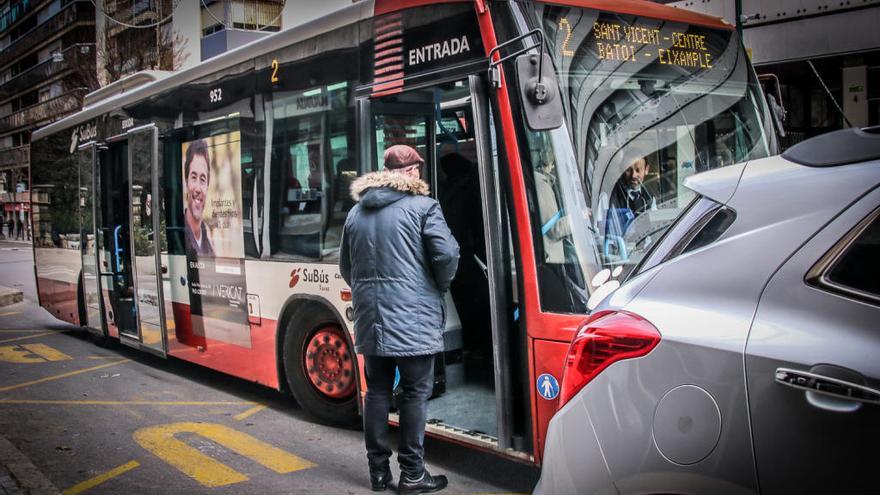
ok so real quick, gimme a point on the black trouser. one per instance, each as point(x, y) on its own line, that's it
point(417, 380)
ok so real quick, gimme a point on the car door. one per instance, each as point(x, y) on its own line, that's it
point(813, 362)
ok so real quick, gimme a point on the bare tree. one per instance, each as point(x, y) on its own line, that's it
point(85, 75)
point(122, 53)
point(136, 49)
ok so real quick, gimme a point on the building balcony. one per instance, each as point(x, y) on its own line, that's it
point(77, 12)
point(15, 197)
point(70, 57)
point(19, 156)
point(43, 112)
point(16, 12)
point(137, 12)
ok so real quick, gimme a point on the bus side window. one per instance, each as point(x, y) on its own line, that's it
point(312, 136)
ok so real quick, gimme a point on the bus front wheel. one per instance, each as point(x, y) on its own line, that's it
point(320, 367)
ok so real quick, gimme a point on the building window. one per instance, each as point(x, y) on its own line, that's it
point(214, 28)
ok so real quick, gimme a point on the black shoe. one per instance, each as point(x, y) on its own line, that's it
point(426, 484)
point(379, 479)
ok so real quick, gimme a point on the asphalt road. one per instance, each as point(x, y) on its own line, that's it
point(114, 420)
point(17, 268)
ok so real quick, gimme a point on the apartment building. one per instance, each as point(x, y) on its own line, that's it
point(54, 52)
point(177, 34)
point(45, 45)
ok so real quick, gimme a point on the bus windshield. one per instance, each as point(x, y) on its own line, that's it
point(648, 103)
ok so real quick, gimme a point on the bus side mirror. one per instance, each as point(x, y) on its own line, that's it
point(540, 91)
point(773, 95)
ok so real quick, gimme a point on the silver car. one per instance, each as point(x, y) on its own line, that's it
point(743, 354)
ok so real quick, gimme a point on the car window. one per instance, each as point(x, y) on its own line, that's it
point(719, 221)
point(702, 222)
point(857, 271)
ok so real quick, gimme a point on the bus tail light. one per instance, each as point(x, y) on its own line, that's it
point(605, 338)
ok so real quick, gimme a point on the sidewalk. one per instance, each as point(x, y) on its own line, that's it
point(9, 296)
point(18, 475)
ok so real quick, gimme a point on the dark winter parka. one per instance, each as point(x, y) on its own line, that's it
point(399, 258)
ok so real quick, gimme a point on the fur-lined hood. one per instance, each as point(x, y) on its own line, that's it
point(392, 180)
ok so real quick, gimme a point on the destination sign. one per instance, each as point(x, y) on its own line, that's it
point(614, 41)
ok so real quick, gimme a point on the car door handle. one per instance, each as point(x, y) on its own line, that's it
point(811, 382)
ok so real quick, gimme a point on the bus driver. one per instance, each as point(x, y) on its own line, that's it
point(630, 192)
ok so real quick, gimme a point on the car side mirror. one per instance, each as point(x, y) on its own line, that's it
point(773, 97)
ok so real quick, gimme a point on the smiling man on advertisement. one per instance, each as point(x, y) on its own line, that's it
point(197, 172)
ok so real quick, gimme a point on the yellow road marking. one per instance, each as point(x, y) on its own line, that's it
point(122, 403)
point(22, 330)
point(63, 375)
point(31, 353)
point(97, 480)
point(103, 357)
point(46, 352)
point(160, 441)
point(250, 412)
point(10, 313)
point(28, 337)
point(19, 355)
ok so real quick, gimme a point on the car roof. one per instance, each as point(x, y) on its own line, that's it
point(853, 153)
point(795, 200)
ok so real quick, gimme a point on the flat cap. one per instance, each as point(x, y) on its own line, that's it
point(401, 156)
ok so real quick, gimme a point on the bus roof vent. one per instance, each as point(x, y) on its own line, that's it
point(127, 83)
point(837, 148)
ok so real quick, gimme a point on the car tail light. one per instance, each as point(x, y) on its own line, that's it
point(605, 338)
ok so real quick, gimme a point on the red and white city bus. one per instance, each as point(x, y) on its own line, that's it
point(198, 214)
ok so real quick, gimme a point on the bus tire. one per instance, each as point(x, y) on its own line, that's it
point(321, 368)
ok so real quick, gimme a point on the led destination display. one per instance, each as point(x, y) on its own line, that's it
point(615, 41)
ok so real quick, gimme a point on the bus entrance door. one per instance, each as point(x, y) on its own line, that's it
point(147, 238)
point(90, 288)
point(112, 221)
point(449, 124)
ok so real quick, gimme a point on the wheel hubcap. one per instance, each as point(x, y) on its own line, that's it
point(329, 364)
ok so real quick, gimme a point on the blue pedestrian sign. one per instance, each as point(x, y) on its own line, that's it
point(548, 387)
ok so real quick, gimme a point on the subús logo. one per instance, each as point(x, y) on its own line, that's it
point(314, 276)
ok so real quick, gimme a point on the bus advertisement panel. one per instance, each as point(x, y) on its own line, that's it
point(213, 229)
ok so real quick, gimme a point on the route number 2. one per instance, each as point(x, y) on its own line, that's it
point(274, 79)
point(564, 24)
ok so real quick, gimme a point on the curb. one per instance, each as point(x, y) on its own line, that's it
point(9, 296)
point(29, 478)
